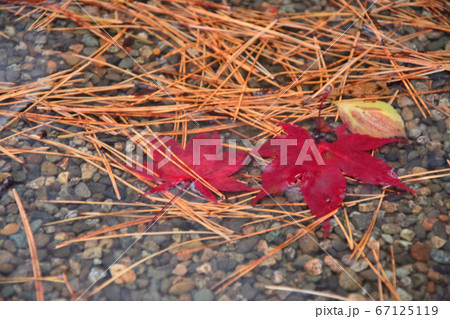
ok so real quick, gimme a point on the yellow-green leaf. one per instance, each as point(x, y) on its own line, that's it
point(377, 119)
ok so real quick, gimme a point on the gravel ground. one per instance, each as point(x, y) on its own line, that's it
point(418, 228)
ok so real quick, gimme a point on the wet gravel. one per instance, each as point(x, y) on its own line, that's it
point(417, 227)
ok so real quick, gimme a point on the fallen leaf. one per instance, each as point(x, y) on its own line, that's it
point(377, 119)
point(202, 156)
point(320, 167)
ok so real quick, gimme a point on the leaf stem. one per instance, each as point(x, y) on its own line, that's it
point(326, 91)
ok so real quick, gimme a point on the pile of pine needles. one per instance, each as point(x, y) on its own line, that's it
point(215, 68)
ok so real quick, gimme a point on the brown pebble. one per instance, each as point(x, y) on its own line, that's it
point(27, 66)
point(180, 270)
point(333, 264)
point(314, 267)
point(70, 59)
point(389, 207)
point(10, 229)
point(99, 62)
point(41, 240)
point(308, 245)
point(182, 287)
point(156, 51)
point(184, 256)
point(434, 275)
point(404, 101)
point(428, 223)
point(207, 254)
point(52, 67)
point(262, 246)
point(248, 230)
point(129, 276)
point(420, 252)
point(444, 218)
point(431, 287)
point(77, 48)
point(437, 242)
point(421, 267)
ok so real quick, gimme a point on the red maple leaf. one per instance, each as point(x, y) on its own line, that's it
point(320, 166)
point(200, 155)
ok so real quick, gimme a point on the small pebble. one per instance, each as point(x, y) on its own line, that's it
point(420, 252)
point(10, 229)
point(359, 266)
point(182, 287)
point(391, 229)
point(440, 256)
point(203, 295)
point(82, 190)
point(308, 245)
point(407, 114)
point(89, 40)
point(349, 281)
point(407, 234)
point(437, 242)
point(314, 267)
point(204, 269)
point(180, 270)
point(127, 277)
point(49, 169)
point(95, 274)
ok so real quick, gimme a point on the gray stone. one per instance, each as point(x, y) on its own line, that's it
point(436, 45)
point(402, 272)
point(89, 40)
point(203, 295)
point(35, 225)
point(126, 63)
point(300, 261)
point(404, 296)
point(440, 256)
point(271, 236)
point(49, 169)
point(10, 31)
point(391, 229)
point(293, 195)
point(414, 132)
point(439, 229)
point(227, 264)
point(95, 274)
point(387, 238)
point(361, 221)
point(248, 292)
point(245, 245)
point(359, 266)
point(82, 190)
point(349, 281)
point(20, 240)
point(8, 291)
point(41, 39)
